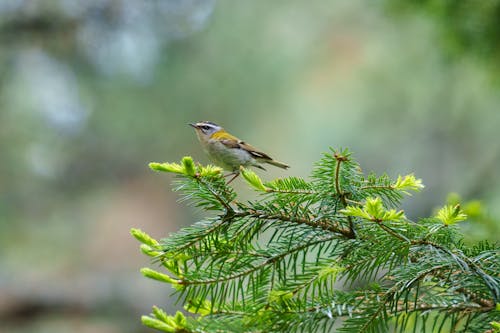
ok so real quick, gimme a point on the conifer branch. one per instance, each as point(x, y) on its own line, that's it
point(323, 224)
point(376, 187)
point(341, 158)
point(228, 208)
point(269, 260)
point(392, 232)
point(292, 191)
point(271, 264)
point(492, 283)
point(198, 237)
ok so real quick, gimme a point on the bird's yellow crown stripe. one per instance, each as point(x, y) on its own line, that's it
point(223, 135)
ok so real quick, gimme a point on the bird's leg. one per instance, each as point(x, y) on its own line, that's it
point(230, 174)
point(236, 174)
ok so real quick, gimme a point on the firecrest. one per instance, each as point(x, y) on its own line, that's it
point(229, 152)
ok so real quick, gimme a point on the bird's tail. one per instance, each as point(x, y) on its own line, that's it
point(278, 164)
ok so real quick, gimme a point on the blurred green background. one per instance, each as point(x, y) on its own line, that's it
point(91, 91)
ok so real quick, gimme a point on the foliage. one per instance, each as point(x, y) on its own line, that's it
point(467, 26)
point(309, 255)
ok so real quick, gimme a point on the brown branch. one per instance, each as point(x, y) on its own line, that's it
point(342, 195)
point(374, 187)
point(323, 224)
point(391, 232)
point(340, 159)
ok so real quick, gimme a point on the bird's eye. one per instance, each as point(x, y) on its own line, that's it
point(205, 128)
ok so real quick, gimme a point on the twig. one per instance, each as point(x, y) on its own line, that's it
point(340, 159)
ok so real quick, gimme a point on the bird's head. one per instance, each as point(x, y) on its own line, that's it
point(205, 129)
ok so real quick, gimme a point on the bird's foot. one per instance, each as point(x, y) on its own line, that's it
point(235, 174)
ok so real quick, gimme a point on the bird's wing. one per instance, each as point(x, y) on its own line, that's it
point(261, 156)
point(253, 151)
point(238, 144)
point(231, 141)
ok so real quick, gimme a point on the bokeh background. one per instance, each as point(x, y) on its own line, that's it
point(91, 91)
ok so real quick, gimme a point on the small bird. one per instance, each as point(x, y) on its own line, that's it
point(229, 152)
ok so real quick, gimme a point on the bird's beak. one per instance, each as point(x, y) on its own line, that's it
point(193, 125)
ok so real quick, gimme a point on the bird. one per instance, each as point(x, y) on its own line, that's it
point(229, 152)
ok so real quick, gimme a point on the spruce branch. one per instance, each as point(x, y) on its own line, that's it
point(343, 158)
point(323, 224)
point(308, 254)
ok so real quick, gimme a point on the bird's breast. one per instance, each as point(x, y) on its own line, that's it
point(226, 157)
